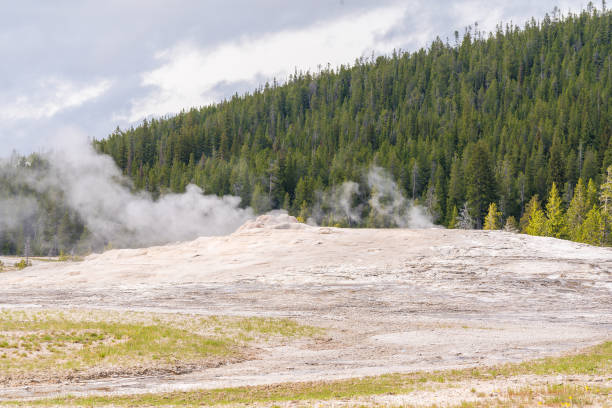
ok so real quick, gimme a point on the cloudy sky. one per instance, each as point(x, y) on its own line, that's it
point(95, 65)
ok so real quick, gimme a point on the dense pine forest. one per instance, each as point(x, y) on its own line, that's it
point(488, 118)
point(485, 130)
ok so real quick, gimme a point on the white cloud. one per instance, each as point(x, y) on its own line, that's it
point(190, 73)
point(51, 97)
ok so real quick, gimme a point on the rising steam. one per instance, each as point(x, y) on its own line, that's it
point(93, 186)
point(386, 206)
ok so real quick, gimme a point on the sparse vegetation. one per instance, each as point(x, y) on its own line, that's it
point(22, 264)
point(69, 258)
point(72, 342)
point(595, 361)
point(553, 395)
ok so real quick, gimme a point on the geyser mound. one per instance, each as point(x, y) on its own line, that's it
point(273, 220)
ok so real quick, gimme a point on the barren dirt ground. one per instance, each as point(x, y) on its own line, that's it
point(391, 300)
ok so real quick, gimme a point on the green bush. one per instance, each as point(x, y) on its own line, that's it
point(69, 258)
point(22, 264)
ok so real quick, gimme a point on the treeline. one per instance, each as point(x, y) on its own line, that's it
point(497, 117)
point(588, 217)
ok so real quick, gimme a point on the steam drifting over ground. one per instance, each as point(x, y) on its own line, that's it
point(93, 186)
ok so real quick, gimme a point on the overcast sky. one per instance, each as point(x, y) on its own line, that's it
point(96, 65)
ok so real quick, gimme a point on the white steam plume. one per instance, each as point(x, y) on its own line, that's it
point(388, 201)
point(387, 205)
point(94, 187)
point(337, 204)
point(15, 209)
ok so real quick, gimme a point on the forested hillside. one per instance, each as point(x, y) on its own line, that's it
point(476, 120)
point(485, 118)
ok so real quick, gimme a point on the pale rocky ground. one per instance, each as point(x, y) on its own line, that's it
point(392, 300)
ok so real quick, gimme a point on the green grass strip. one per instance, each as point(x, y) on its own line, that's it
point(594, 361)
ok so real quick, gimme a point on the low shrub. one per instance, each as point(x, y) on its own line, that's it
point(22, 264)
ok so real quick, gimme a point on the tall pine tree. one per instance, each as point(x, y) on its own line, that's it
point(480, 183)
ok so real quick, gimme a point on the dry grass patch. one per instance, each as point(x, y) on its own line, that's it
point(594, 361)
point(552, 395)
point(54, 345)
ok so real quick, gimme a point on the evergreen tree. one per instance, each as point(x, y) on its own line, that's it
point(532, 206)
point(591, 194)
point(537, 222)
point(511, 225)
point(454, 218)
point(493, 218)
point(480, 183)
point(260, 201)
point(286, 202)
point(592, 229)
point(456, 184)
point(432, 204)
point(605, 197)
point(304, 212)
point(577, 211)
point(555, 225)
point(302, 193)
